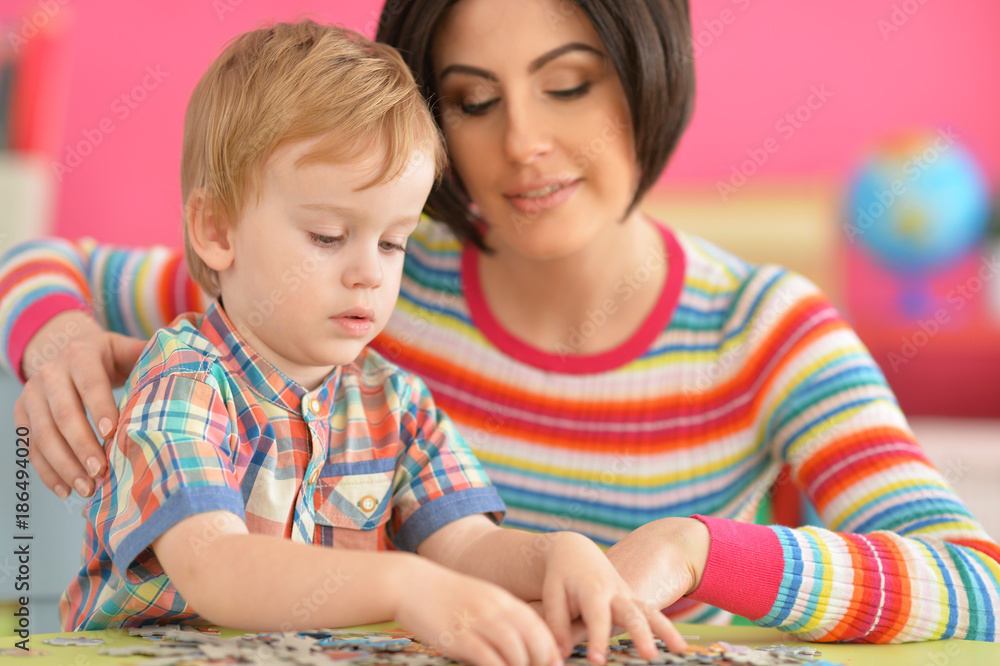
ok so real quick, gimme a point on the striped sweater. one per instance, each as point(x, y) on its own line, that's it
point(738, 370)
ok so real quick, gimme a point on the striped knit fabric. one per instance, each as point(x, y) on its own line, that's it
point(739, 369)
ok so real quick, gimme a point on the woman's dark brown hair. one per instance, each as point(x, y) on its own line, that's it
point(649, 45)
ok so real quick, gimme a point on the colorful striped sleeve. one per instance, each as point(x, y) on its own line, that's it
point(900, 557)
point(129, 291)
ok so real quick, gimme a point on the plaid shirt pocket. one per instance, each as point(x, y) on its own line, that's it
point(354, 504)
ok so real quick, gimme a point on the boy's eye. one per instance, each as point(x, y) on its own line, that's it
point(572, 93)
point(389, 246)
point(326, 241)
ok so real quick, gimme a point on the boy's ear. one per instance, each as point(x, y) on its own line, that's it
point(209, 235)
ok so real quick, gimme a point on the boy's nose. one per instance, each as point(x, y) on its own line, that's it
point(364, 271)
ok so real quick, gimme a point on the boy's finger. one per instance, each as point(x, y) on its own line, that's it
point(542, 648)
point(555, 607)
point(632, 617)
point(597, 614)
point(665, 630)
point(474, 650)
point(507, 642)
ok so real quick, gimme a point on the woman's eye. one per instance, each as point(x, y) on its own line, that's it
point(326, 241)
point(389, 246)
point(478, 108)
point(572, 93)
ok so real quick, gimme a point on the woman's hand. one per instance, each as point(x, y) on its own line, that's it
point(472, 620)
point(663, 560)
point(71, 364)
point(580, 582)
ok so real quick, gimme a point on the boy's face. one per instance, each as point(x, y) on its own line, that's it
point(316, 262)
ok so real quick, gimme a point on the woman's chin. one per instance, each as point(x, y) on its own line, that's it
point(540, 243)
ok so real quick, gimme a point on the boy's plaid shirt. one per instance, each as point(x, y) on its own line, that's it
point(207, 424)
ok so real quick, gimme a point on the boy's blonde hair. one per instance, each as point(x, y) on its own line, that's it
point(286, 83)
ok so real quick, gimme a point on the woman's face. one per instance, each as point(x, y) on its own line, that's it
point(536, 121)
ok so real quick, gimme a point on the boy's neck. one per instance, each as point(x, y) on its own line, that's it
point(308, 377)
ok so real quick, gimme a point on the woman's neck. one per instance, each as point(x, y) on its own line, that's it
point(613, 282)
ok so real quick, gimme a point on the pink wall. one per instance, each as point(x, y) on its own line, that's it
point(941, 67)
point(758, 60)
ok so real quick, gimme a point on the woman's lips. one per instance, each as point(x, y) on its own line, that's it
point(534, 199)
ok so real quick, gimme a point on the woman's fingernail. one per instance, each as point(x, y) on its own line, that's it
point(93, 466)
point(82, 487)
point(62, 491)
point(104, 426)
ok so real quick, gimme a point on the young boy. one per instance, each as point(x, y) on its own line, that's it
point(308, 153)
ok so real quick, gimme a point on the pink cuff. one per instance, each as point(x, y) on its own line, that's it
point(33, 318)
point(744, 569)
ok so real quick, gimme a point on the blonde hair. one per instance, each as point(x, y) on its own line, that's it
point(286, 83)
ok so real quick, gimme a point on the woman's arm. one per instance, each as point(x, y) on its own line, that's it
point(58, 299)
point(902, 558)
point(127, 291)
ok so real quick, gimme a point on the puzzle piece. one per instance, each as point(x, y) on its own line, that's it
point(74, 642)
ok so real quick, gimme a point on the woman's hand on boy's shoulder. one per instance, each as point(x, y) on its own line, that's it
point(72, 364)
point(581, 582)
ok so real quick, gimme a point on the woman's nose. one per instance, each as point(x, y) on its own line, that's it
point(526, 138)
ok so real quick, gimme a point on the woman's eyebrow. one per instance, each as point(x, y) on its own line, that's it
point(467, 69)
point(546, 58)
point(533, 67)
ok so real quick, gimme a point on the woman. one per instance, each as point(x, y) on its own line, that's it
point(616, 378)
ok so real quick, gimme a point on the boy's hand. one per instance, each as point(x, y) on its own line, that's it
point(581, 582)
point(473, 620)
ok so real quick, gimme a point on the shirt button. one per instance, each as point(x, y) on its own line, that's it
point(367, 503)
point(314, 476)
point(314, 406)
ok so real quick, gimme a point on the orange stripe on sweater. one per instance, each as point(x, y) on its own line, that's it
point(437, 370)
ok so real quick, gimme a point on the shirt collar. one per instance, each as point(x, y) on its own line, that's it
point(266, 380)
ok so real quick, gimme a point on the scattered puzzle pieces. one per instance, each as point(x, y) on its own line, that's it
point(176, 645)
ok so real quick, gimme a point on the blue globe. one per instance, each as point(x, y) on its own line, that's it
point(919, 203)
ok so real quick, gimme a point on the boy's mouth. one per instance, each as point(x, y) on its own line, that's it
point(359, 314)
point(356, 322)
